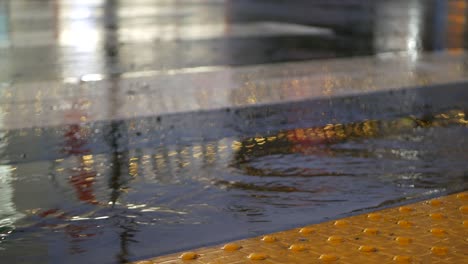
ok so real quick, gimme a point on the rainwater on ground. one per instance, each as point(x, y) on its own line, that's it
point(121, 190)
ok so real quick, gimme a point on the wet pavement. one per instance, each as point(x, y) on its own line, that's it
point(131, 129)
point(114, 191)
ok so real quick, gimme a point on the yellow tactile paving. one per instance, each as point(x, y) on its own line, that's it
point(432, 231)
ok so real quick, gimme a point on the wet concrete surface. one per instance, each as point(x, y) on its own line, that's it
point(114, 191)
point(98, 97)
point(131, 129)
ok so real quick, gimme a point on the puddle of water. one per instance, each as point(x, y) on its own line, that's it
point(112, 192)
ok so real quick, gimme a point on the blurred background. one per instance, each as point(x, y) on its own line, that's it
point(62, 39)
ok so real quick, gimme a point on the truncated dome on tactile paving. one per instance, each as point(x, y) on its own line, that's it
point(432, 231)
